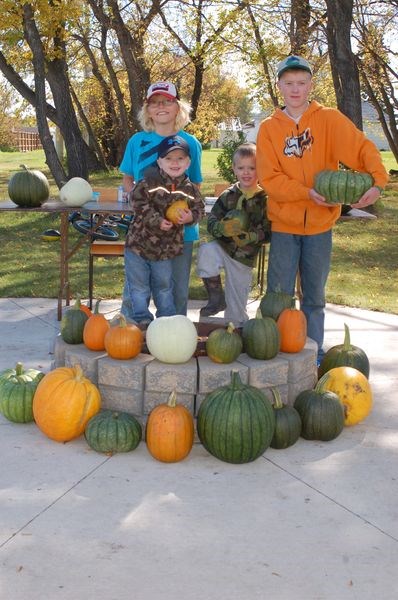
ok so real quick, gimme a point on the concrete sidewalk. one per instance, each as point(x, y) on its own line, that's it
point(317, 521)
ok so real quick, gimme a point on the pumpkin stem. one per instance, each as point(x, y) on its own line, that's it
point(347, 340)
point(230, 328)
point(24, 167)
point(18, 369)
point(236, 382)
point(277, 400)
point(259, 314)
point(172, 400)
point(77, 303)
point(122, 320)
point(96, 308)
point(78, 373)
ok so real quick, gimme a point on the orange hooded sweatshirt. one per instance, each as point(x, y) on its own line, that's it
point(289, 155)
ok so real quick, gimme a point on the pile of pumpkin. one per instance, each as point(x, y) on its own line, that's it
point(236, 423)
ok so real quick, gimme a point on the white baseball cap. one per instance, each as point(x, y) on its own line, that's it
point(164, 88)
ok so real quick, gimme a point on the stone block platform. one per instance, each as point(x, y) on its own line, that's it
point(138, 385)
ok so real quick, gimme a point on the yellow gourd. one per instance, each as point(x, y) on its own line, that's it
point(353, 390)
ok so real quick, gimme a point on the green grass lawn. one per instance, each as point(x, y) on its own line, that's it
point(364, 266)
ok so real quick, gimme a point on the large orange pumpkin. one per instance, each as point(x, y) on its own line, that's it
point(292, 325)
point(65, 400)
point(95, 329)
point(169, 431)
point(123, 341)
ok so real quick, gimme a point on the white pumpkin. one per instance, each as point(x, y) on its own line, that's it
point(76, 192)
point(172, 339)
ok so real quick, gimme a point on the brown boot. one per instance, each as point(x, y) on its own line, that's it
point(216, 301)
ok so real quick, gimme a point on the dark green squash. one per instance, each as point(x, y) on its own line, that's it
point(17, 388)
point(345, 355)
point(261, 337)
point(236, 422)
point(224, 345)
point(342, 187)
point(28, 188)
point(72, 324)
point(321, 413)
point(240, 215)
point(287, 423)
point(111, 431)
point(273, 303)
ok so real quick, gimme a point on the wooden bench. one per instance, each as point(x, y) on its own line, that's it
point(101, 248)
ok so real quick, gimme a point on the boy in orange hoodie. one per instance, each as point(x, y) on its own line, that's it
point(293, 145)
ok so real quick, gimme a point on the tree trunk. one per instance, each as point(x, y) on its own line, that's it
point(344, 69)
point(33, 38)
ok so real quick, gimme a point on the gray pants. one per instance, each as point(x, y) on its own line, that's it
point(238, 279)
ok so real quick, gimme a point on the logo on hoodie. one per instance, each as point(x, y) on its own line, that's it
point(296, 145)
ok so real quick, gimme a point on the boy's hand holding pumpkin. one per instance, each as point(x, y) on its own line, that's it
point(230, 227)
point(245, 238)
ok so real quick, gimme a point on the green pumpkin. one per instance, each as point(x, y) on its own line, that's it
point(224, 345)
point(287, 423)
point(72, 324)
point(321, 413)
point(110, 431)
point(342, 187)
point(17, 388)
point(273, 303)
point(236, 422)
point(240, 215)
point(345, 355)
point(28, 188)
point(261, 337)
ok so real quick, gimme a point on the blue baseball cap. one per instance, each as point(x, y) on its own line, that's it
point(173, 142)
point(293, 62)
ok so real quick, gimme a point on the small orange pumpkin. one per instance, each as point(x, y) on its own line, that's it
point(86, 309)
point(169, 431)
point(64, 402)
point(173, 211)
point(292, 325)
point(95, 329)
point(123, 341)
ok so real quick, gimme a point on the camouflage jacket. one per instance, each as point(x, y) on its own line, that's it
point(256, 209)
point(150, 199)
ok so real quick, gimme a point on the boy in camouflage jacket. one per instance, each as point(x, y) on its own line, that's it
point(152, 240)
point(238, 239)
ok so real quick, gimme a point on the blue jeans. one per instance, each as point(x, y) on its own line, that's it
point(310, 256)
point(145, 277)
point(181, 272)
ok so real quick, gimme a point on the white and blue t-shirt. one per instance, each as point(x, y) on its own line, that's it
point(142, 152)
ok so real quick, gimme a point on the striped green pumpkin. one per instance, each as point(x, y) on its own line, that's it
point(236, 422)
point(321, 413)
point(261, 337)
point(224, 345)
point(110, 431)
point(72, 324)
point(273, 303)
point(28, 188)
point(345, 355)
point(342, 187)
point(287, 423)
point(17, 388)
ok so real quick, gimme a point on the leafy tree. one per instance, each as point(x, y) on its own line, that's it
point(224, 159)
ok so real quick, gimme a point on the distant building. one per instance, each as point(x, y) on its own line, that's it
point(26, 139)
point(371, 127)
